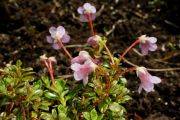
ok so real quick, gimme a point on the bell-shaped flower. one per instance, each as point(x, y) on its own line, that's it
point(147, 80)
point(147, 44)
point(94, 40)
point(81, 58)
point(82, 71)
point(58, 33)
point(87, 9)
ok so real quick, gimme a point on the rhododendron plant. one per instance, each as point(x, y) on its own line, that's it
point(99, 94)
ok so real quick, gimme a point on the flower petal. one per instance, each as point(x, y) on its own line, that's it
point(76, 66)
point(60, 31)
point(155, 80)
point(151, 39)
point(148, 87)
point(87, 6)
point(144, 49)
point(93, 9)
point(56, 46)
point(65, 38)
point(52, 31)
point(80, 10)
point(85, 80)
point(83, 18)
point(49, 39)
point(152, 47)
point(78, 75)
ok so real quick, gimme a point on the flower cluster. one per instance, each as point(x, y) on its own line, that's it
point(82, 65)
point(58, 33)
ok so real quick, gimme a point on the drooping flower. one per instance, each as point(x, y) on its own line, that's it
point(87, 9)
point(147, 44)
point(58, 33)
point(81, 58)
point(147, 80)
point(94, 40)
point(82, 71)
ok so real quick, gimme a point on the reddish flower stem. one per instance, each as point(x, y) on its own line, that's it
point(50, 70)
point(127, 50)
point(64, 48)
point(117, 75)
point(91, 24)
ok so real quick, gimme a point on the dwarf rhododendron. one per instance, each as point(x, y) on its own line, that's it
point(81, 58)
point(82, 71)
point(147, 44)
point(94, 40)
point(147, 80)
point(58, 33)
point(87, 9)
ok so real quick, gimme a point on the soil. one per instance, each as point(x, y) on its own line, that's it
point(24, 26)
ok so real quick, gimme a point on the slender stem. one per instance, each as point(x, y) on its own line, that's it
point(91, 24)
point(64, 48)
point(127, 50)
point(109, 53)
point(117, 75)
point(50, 70)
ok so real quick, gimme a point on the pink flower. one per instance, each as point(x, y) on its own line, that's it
point(94, 40)
point(147, 44)
point(81, 58)
point(82, 71)
point(87, 8)
point(147, 80)
point(58, 33)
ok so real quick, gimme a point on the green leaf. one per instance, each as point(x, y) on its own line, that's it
point(73, 92)
point(86, 115)
point(60, 85)
point(103, 106)
point(100, 117)
point(50, 95)
point(54, 113)
point(46, 80)
point(46, 116)
point(94, 115)
point(115, 107)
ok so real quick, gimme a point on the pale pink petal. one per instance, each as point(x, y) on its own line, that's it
point(140, 88)
point(80, 10)
point(85, 80)
point(75, 60)
point(78, 75)
point(49, 39)
point(151, 39)
point(93, 17)
point(75, 67)
point(152, 47)
point(93, 9)
point(52, 31)
point(83, 18)
point(56, 46)
point(148, 87)
point(65, 38)
point(144, 48)
point(155, 80)
point(87, 6)
point(60, 31)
